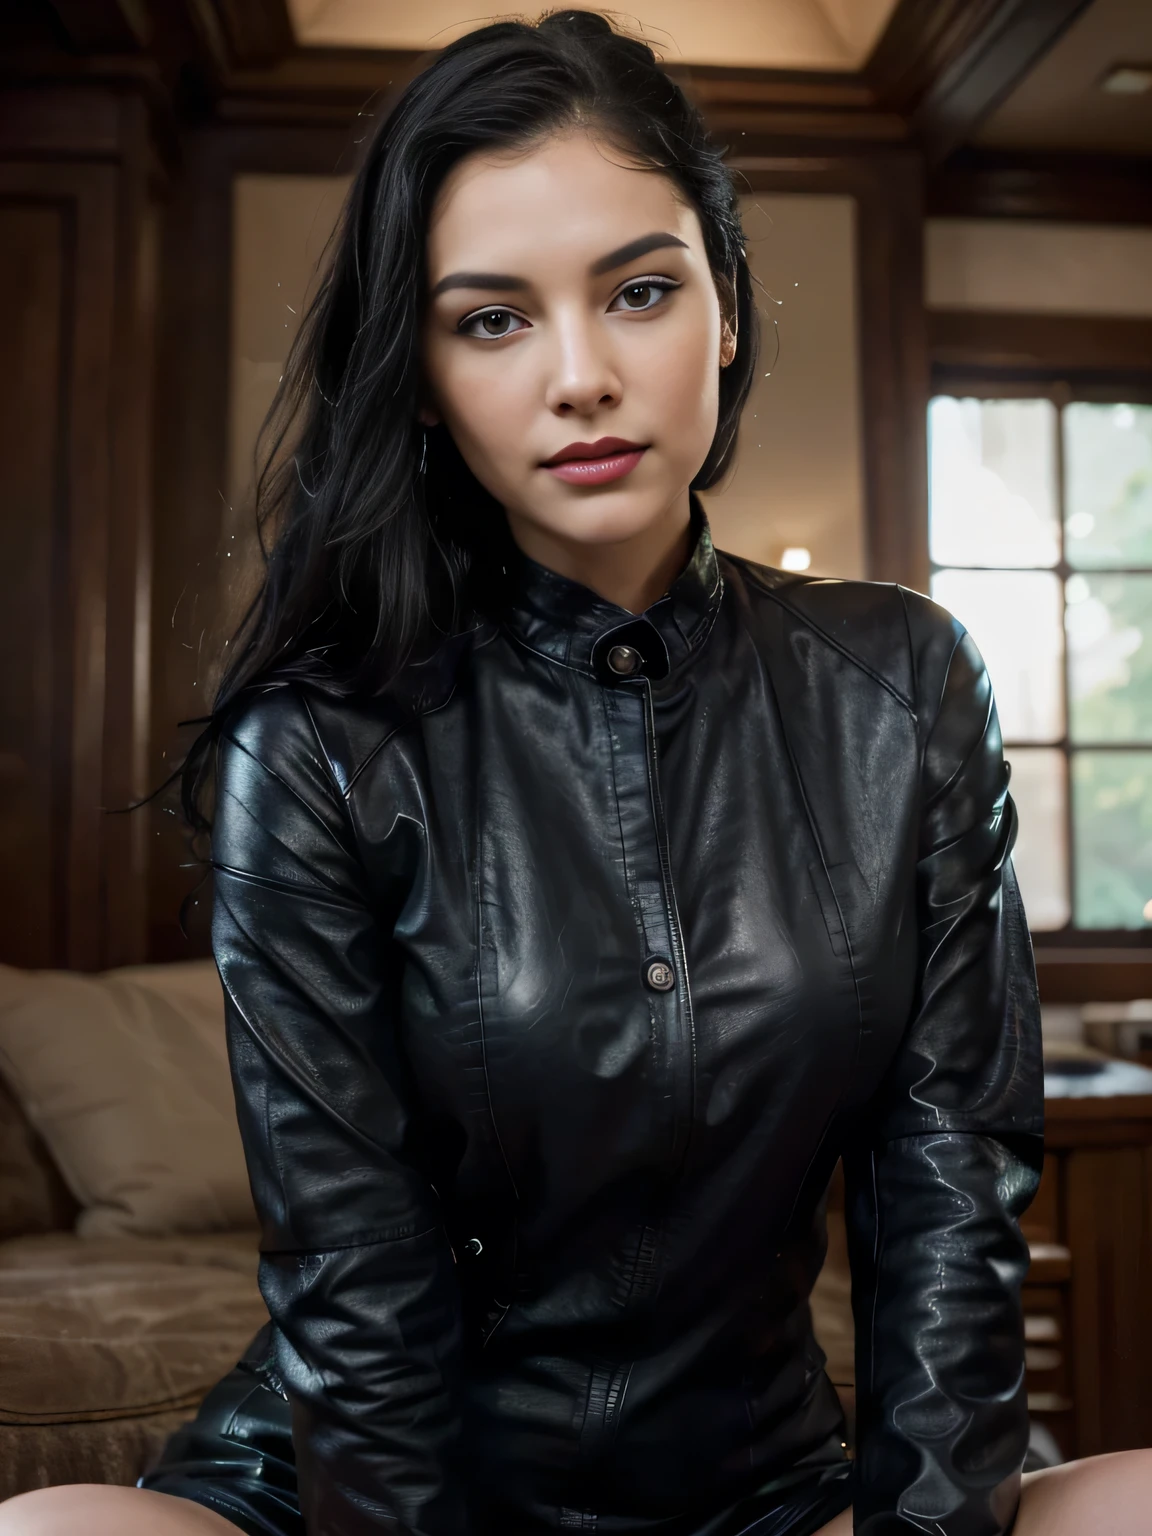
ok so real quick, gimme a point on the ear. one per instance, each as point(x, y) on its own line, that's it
point(727, 340)
point(726, 293)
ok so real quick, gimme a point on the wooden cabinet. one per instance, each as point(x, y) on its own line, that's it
point(1088, 1293)
point(1088, 1321)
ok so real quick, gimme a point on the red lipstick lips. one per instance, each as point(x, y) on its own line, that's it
point(608, 458)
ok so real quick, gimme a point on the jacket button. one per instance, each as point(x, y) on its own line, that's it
point(623, 660)
point(474, 1246)
point(660, 976)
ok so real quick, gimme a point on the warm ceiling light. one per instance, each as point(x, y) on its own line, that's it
point(1128, 80)
point(795, 558)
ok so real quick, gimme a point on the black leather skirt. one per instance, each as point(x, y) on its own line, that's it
point(235, 1457)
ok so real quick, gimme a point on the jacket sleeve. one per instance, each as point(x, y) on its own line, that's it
point(356, 1268)
point(949, 1155)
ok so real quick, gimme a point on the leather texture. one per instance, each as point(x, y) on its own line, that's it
point(538, 1235)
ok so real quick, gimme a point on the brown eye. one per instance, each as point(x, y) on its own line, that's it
point(650, 294)
point(491, 324)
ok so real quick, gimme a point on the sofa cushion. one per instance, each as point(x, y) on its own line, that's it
point(125, 1077)
point(93, 1330)
point(98, 1451)
point(33, 1196)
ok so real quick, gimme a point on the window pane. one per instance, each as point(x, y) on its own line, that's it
point(1108, 620)
point(1108, 463)
point(1039, 788)
point(1112, 812)
point(992, 482)
point(1015, 619)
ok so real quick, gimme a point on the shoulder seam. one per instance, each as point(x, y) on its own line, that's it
point(279, 777)
point(878, 678)
point(399, 729)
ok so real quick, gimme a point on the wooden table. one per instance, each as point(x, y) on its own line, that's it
point(1088, 1295)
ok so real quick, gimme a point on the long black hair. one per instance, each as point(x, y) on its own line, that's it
point(374, 533)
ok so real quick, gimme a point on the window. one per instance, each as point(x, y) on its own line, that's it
point(1040, 536)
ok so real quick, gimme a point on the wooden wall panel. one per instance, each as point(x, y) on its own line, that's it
point(190, 482)
point(74, 557)
point(35, 263)
point(888, 188)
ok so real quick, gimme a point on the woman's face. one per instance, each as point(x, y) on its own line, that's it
point(573, 341)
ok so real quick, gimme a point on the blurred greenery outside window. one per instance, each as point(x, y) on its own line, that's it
point(1040, 536)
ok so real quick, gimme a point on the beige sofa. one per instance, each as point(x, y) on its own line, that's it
point(127, 1239)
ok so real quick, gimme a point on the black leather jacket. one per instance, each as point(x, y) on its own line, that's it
point(557, 981)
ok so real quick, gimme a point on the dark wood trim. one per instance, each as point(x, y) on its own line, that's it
point(975, 340)
point(257, 31)
point(936, 71)
point(1107, 1194)
point(1122, 1119)
point(1069, 975)
point(190, 473)
point(1097, 189)
point(102, 677)
point(888, 191)
point(945, 64)
point(922, 41)
point(103, 26)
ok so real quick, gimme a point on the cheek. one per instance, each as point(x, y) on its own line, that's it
point(488, 409)
point(681, 380)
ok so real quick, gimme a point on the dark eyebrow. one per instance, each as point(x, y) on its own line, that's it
point(634, 250)
point(501, 282)
point(498, 280)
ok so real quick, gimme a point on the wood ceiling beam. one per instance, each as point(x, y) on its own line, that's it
point(938, 69)
point(944, 65)
point(1001, 184)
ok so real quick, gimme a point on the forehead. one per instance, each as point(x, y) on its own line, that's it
point(571, 197)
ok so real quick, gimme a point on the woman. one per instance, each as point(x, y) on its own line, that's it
point(582, 896)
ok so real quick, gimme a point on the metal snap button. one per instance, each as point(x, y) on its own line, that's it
point(660, 976)
point(623, 660)
point(474, 1246)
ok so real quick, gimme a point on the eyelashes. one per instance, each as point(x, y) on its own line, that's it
point(494, 322)
point(657, 286)
point(488, 324)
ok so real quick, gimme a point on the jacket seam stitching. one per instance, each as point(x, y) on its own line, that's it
point(481, 1022)
point(957, 772)
point(286, 1065)
point(544, 656)
point(878, 678)
point(371, 1239)
point(321, 893)
point(403, 728)
point(283, 782)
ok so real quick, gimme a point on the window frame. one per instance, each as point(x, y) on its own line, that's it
point(1063, 386)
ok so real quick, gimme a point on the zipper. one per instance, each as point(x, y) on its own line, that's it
point(684, 1098)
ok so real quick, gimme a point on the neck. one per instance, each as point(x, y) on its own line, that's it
point(633, 573)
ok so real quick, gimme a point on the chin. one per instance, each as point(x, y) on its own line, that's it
point(607, 516)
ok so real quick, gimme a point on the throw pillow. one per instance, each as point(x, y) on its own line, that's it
point(125, 1077)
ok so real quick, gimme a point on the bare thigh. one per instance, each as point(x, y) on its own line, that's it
point(97, 1509)
point(1108, 1495)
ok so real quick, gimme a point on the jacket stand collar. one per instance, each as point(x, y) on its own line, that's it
point(568, 622)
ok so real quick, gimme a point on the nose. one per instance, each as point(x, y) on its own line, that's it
point(584, 377)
